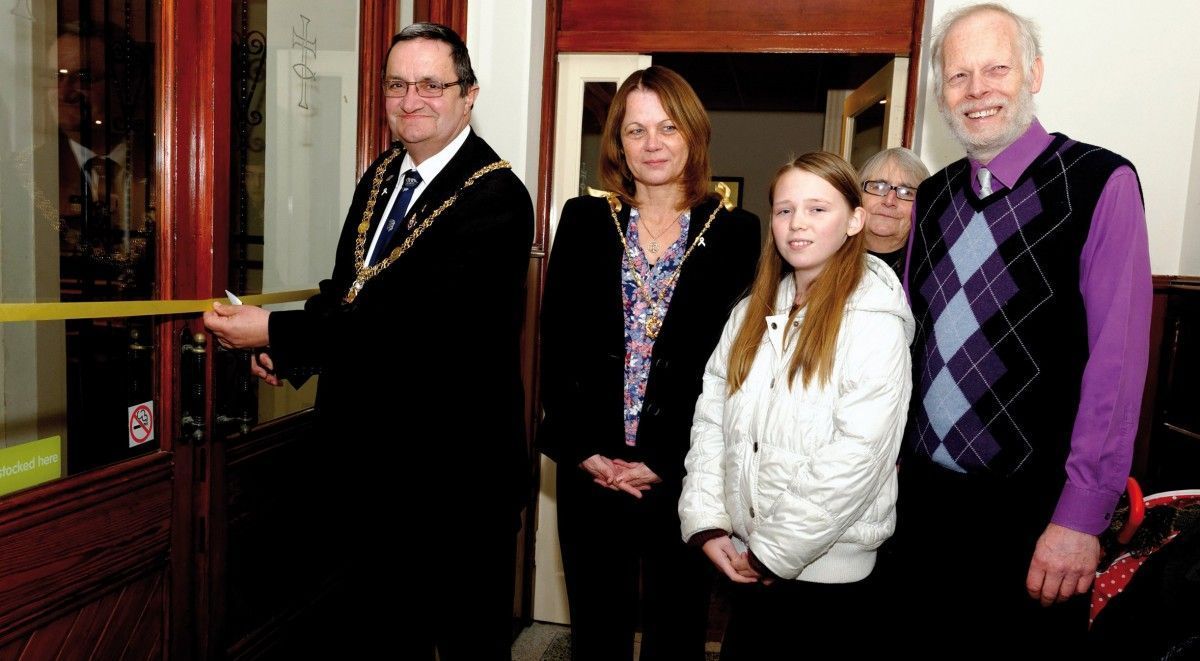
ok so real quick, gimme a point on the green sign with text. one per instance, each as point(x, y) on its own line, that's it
point(28, 464)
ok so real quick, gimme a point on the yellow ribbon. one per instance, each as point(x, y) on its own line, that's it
point(10, 312)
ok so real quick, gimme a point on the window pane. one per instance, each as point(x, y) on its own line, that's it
point(77, 210)
point(295, 91)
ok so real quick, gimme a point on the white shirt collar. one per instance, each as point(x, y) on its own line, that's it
point(117, 155)
point(428, 169)
point(432, 166)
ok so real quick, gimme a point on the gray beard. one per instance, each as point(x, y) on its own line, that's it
point(984, 148)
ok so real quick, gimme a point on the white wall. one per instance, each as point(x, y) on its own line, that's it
point(754, 145)
point(1123, 76)
point(1189, 256)
point(505, 38)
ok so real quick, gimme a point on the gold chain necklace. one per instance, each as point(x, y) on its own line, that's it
point(653, 247)
point(655, 316)
point(365, 273)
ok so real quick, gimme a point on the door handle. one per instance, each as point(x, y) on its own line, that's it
point(235, 398)
point(191, 378)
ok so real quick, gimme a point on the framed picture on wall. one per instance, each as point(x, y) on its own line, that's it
point(729, 188)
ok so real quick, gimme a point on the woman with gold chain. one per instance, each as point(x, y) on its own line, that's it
point(639, 286)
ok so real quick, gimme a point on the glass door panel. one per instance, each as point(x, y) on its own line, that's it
point(77, 224)
point(294, 123)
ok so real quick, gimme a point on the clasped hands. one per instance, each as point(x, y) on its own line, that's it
point(736, 566)
point(632, 477)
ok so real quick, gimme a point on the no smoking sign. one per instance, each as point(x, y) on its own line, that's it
point(141, 424)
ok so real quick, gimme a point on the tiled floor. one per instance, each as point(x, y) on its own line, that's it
point(536, 640)
point(550, 642)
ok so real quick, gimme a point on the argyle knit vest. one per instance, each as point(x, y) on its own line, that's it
point(1001, 340)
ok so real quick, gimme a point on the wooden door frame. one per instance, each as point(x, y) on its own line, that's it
point(451, 13)
point(196, 116)
point(376, 25)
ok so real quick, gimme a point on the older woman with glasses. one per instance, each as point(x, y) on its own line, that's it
point(638, 289)
point(890, 179)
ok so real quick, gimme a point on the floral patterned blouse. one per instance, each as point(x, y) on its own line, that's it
point(638, 346)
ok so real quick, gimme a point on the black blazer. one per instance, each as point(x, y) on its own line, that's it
point(424, 365)
point(583, 336)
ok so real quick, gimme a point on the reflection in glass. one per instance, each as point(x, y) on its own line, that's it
point(77, 200)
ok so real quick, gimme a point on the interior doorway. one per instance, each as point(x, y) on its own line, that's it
point(767, 108)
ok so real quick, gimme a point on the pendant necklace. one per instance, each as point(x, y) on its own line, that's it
point(653, 247)
point(657, 311)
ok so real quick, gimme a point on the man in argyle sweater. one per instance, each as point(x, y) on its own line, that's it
point(1029, 278)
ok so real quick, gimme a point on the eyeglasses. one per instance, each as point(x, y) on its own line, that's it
point(396, 88)
point(881, 189)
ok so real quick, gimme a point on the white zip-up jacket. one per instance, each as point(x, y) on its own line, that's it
point(806, 476)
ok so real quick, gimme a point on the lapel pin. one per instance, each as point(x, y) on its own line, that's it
point(700, 241)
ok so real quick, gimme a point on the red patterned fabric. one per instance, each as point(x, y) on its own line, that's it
point(1112, 580)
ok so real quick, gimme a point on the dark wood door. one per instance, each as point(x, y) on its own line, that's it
point(114, 188)
point(210, 539)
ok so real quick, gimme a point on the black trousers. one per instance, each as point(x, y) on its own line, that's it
point(957, 564)
point(470, 601)
point(612, 545)
point(444, 587)
point(792, 619)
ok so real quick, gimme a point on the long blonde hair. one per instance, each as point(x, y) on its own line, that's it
point(826, 296)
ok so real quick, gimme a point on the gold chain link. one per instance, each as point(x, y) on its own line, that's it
point(365, 273)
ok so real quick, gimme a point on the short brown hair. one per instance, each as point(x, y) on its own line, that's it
point(682, 105)
point(439, 32)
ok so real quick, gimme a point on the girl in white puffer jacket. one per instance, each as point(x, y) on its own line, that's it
point(791, 476)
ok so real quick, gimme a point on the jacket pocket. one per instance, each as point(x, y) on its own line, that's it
point(777, 473)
